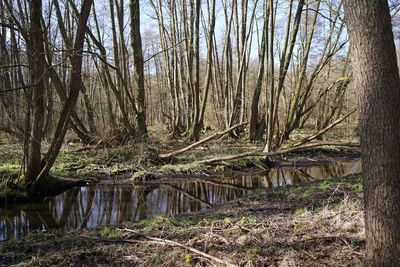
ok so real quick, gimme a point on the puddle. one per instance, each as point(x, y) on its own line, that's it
point(102, 205)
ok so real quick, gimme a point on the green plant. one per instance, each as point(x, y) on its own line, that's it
point(109, 232)
point(357, 187)
point(302, 212)
point(325, 185)
point(309, 191)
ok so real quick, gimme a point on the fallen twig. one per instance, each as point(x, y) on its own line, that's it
point(177, 244)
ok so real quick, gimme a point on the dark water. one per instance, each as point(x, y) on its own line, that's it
point(101, 205)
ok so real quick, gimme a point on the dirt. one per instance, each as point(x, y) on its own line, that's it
point(314, 224)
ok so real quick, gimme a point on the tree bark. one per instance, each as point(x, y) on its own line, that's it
point(136, 42)
point(254, 120)
point(377, 80)
point(37, 95)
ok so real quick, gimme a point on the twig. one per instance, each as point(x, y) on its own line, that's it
point(31, 85)
point(332, 238)
point(177, 244)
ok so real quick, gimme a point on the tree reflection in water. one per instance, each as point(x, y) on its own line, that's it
point(100, 205)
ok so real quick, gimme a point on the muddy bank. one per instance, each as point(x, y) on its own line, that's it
point(317, 223)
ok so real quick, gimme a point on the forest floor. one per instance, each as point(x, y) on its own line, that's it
point(139, 160)
point(313, 224)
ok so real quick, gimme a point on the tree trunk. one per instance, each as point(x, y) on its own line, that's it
point(377, 80)
point(74, 89)
point(254, 118)
point(136, 42)
point(195, 132)
point(37, 95)
point(198, 125)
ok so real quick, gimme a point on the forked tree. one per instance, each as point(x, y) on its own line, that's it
point(36, 178)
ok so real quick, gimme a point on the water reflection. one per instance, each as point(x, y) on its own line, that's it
point(100, 205)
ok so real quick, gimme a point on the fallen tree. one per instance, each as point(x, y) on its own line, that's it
point(298, 146)
point(276, 153)
point(211, 137)
point(324, 130)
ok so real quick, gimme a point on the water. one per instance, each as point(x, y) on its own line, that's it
point(101, 205)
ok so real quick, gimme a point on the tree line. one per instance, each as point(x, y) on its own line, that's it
point(276, 64)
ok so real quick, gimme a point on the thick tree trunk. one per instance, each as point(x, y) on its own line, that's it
point(377, 80)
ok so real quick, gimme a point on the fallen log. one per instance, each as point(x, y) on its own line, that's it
point(324, 130)
point(216, 135)
point(302, 144)
point(274, 153)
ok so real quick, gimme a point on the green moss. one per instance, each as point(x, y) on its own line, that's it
point(302, 212)
point(309, 191)
point(139, 175)
point(10, 167)
point(228, 220)
point(259, 190)
point(245, 220)
point(237, 164)
point(294, 191)
point(188, 260)
point(219, 168)
point(353, 227)
point(157, 259)
point(182, 223)
point(61, 169)
point(180, 168)
point(254, 251)
point(325, 185)
point(109, 232)
point(70, 162)
point(358, 187)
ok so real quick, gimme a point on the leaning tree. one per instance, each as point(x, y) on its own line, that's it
point(36, 178)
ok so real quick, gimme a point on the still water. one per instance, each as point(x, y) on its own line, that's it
point(101, 205)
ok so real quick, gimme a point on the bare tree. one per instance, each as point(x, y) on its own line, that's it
point(38, 170)
point(136, 42)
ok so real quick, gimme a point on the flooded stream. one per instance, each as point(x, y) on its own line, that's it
point(102, 205)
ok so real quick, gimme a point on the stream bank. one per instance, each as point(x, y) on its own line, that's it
point(319, 222)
